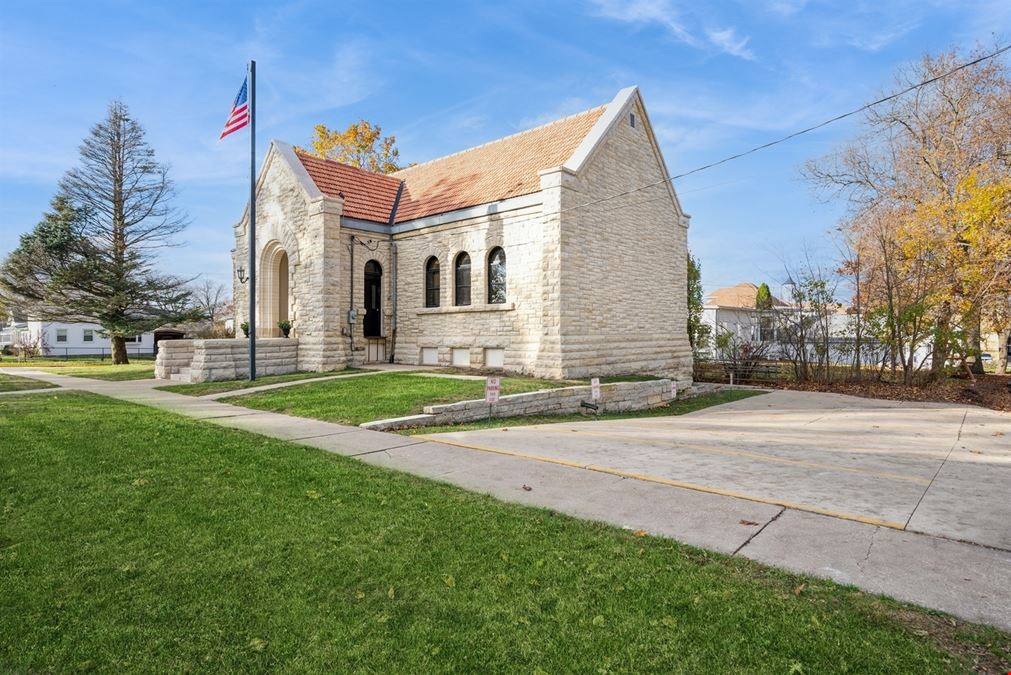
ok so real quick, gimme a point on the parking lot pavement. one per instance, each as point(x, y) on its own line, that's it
point(933, 468)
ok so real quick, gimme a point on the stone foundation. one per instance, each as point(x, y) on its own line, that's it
point(225, 359)
point(617, 397)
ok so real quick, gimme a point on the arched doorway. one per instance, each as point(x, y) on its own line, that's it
point(373, 322)
point(274, 299)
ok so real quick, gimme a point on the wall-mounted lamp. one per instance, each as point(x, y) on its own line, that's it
point(367, 244)
point(241, 274)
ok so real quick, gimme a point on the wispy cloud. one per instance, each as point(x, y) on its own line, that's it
point(785, 7)
point(566, 107)
point(684, 26)
point(727, 40)
point(872, 41)
point(645, 12)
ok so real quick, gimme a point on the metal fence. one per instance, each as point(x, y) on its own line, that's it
point(100, 353)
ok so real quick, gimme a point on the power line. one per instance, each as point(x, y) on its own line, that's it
point(788, 137)
point(540, 216)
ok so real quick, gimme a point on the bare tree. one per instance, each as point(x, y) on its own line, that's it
point(210, 299)
point(804, 328)
point(93, 257)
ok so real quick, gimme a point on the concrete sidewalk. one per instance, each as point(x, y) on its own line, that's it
point(967, 580)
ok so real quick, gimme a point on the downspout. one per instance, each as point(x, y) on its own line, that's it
point(351, 303)
point(393, 271)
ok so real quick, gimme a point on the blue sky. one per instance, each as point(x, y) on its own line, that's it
point(717, 77)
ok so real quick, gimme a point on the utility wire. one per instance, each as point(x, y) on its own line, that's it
point(788, 137)
point(540, 216)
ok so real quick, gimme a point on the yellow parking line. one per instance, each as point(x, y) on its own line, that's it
point(745, 453)
point(670, 482)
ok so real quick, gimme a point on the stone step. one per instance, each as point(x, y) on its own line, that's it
point(183, 375)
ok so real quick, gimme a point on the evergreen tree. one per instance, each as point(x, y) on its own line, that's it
point(698, 332)
point(92, 257)
point(763, 297)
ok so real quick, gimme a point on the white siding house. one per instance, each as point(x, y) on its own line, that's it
point(71, 339)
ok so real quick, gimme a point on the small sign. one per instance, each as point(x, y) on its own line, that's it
point(491, 388)
point(595, 388)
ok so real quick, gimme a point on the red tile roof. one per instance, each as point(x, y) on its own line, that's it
point(367, 195)
point(487, 173)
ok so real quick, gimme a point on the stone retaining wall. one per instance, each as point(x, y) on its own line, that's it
point(224, 359)
point(616, 397)
point(174, 357)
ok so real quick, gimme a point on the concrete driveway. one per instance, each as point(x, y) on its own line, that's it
point(939, 469)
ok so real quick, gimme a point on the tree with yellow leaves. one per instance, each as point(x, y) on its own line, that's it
point(927, 181)
point(362, 144)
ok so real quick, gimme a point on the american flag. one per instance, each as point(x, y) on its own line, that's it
point(240, 112)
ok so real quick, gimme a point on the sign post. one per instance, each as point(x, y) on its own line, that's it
point(491, 390)
point(595, 388)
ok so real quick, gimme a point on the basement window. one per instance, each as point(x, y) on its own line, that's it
point(494, 357)
point(460, 358)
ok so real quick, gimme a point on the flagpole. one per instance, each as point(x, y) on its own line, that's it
point(252, 220)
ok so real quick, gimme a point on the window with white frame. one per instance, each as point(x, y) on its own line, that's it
point(61, 334)
point(89, 335)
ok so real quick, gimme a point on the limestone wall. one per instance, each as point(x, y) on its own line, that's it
point(224, 359)
point(623, 288)
point(617, 397)
point(516, 326)
point(308, 230)
point(174, 357)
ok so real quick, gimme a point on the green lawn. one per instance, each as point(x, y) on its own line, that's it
point(157, 543)
point(679, 407)
point(73, 362)
point(363, 399)
point(139, 368)
point(18, 383)
point(136, 370)
point(205, 388)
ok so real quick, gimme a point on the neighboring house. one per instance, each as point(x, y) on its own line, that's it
point(732, 310)
point(992, 343)
point(501, 256)
point(70, 339)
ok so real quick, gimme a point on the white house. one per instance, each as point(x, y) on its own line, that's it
point(70, 339)
point(732, 310)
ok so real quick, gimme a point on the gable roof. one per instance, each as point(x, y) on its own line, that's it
point(741, 296)
point(507, 167)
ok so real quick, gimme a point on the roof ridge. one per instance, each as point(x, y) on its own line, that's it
point(499, 140)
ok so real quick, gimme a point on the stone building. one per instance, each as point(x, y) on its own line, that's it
point(521, 254)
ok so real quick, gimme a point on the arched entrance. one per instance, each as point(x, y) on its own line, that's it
point(274, 297)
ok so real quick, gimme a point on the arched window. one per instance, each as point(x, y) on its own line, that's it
point(496, 276)
point(432, 282)
point(461, 270)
